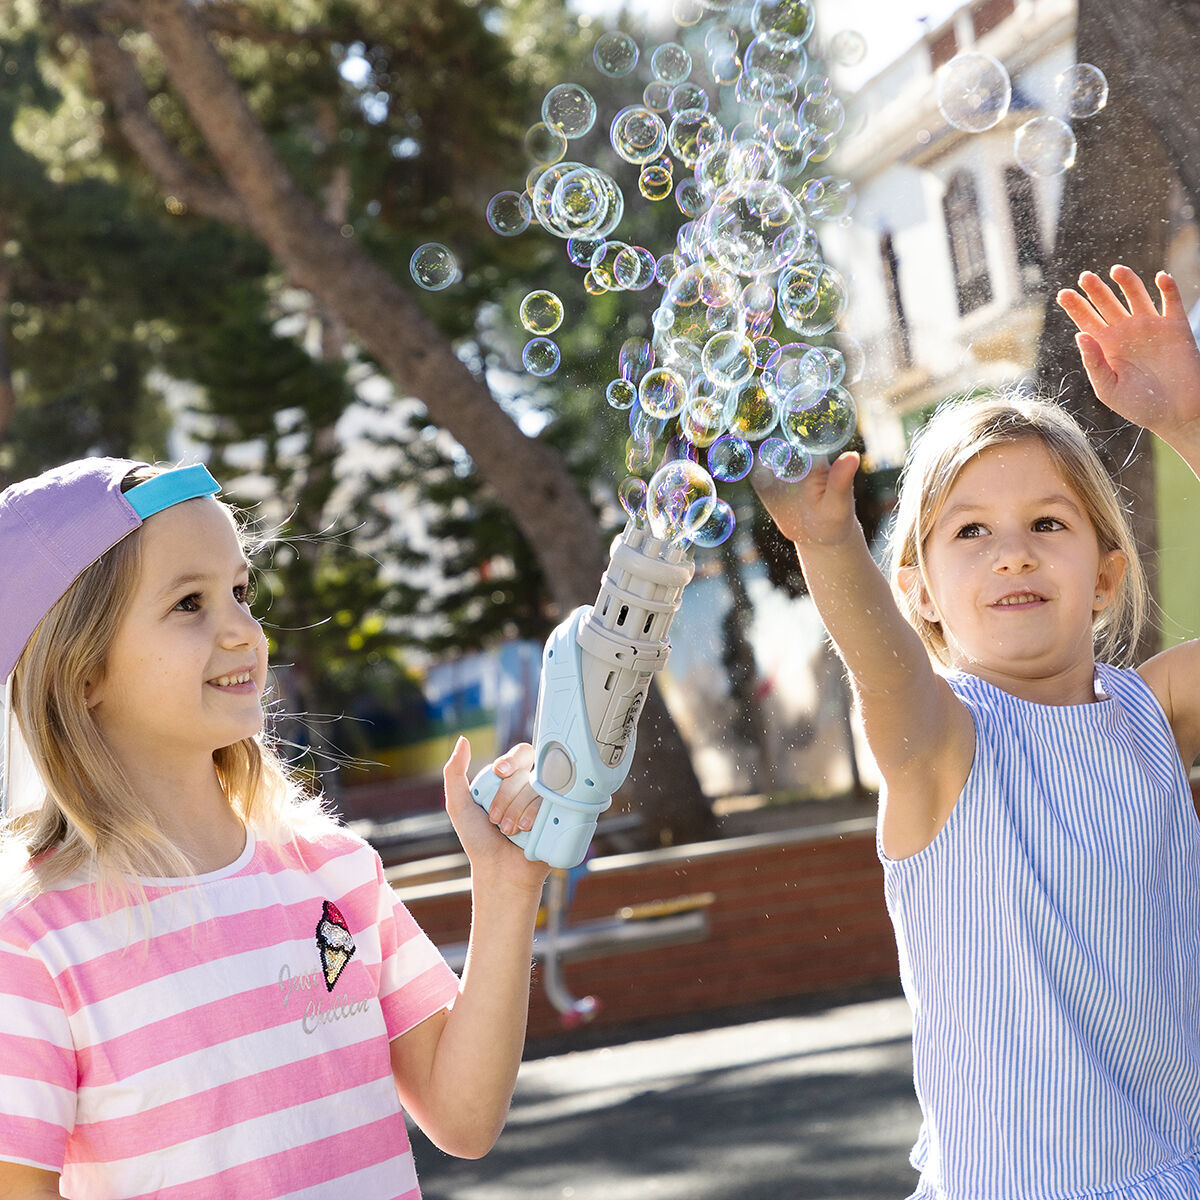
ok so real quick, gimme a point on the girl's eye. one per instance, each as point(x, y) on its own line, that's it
point(1047, 524)
point(190, 603)
point(244, 593)
point(973, 530)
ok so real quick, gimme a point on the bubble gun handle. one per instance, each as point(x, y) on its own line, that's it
point(596, 670)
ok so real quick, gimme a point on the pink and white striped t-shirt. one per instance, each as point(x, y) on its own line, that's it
point(241, 1051)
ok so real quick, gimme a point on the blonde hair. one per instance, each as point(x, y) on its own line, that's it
point(958, 432)
point(91, 820)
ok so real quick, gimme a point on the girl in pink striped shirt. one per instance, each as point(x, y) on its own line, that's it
point(206, 985)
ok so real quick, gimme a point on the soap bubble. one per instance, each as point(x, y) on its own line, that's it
point(604, 264)
point(784, 460)
point(671, 63)
point(509, 213)
point(773, 67)
point(637, 134)
point(687, 95)
point(679, 499)
point(656, 96)
point(620, 394)
point(716, 528)
point(588, 203)
point(434, 267)
point(796, 373)
point(691, 133)
point(635, 359)
point(754, 228)
point(824, 309)
point(570, 109)
point(755, 413)
point(720, 41)
point(828, 198)
point(632, 494)
point(639, 452)
point(728, 359)
point(792, 18)
point(581, 249)
point(853, 356)
point(541, 356)
point(821, 427)
point(615, 54)
point(656, 181)
point(848, 47)
point(544, 144)
point(1044, 146)
point(662, 392)
point(730, 458)
point(704, 418)
point(973, 92)
point(541, 312)
point(1083, 90)
point(689, 199)
point(634, 268)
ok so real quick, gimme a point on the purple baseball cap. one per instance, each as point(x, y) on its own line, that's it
point(54, 526)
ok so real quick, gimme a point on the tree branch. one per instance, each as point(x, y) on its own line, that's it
point(119, 83)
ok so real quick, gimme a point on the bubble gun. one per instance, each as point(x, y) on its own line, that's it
point(596, 669)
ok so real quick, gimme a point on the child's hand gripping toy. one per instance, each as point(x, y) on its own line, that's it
point(596, 669)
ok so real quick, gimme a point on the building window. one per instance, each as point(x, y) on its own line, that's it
point(943, 49)
point(989, 14)
point(901, 344)
point(1027, 234)
point(971, 280)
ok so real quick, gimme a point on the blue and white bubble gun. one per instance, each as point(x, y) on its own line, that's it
point(596, 669)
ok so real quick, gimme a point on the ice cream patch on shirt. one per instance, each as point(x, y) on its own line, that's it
point(334, 942)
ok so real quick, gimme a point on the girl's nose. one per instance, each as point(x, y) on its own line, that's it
point(241, 628)
point(1014, 554)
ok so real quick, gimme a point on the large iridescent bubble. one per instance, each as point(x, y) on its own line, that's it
point(680, 497)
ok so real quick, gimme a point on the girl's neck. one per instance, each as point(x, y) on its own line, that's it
point(192, 812)
point(1074, 686)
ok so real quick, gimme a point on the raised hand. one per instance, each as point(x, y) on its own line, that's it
point(818, 510)
point(1143, 363)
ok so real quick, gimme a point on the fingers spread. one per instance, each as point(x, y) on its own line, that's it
point(1134, 290)
point(1086, 319)
point(1172, 301)
point(1103, 299)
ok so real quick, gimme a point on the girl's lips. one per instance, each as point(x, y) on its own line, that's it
point(1018, 600)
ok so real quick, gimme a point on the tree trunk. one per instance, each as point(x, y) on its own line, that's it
point(1114, 210)
point(530, 479)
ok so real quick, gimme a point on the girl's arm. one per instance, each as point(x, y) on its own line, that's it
point(1145, 366)
point(456, 1072)
point(921, 736)
point(18, 1182)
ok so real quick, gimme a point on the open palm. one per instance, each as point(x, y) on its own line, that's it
point(1142, 363)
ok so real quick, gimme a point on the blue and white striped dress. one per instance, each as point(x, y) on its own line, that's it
point(1049, 943)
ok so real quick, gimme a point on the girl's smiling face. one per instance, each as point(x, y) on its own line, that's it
point(1014, 574)
point(186, 669)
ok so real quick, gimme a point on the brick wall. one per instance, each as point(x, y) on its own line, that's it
point(794, 913)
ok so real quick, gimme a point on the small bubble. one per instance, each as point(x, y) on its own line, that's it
point(1082, 89)
point(509, 213)
point(434, 267)
point(848, 47)
point(615, 54)
point(544, 144)
point(1044, 146)
point(541, 356)
point(541, 312)
point(973, 92)
point(570, 109)
point(671, 63)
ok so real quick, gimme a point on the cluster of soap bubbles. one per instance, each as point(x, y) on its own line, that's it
point(731, 127)
point(974, 92)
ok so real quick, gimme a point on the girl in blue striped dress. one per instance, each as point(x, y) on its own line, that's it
point(1041, 850)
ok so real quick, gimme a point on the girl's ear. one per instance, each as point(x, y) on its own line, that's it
point(912, 584)
point(1108, 579)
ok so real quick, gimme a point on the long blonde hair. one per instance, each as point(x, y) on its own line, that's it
point(959, 431)
point(91, 822)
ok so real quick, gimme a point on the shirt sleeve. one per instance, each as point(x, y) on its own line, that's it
point(415, 980)
point(38, 1073)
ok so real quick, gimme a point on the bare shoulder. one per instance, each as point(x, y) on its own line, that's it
point(1174, 678)
point(920, 790)
point(19, 1182)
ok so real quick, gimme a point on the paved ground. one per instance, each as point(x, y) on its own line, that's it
point(793, 1105)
